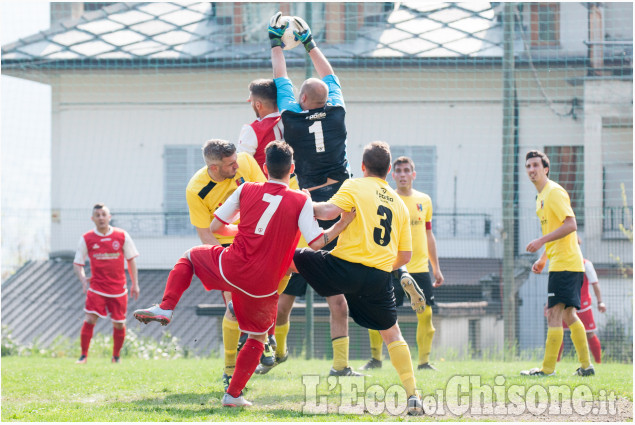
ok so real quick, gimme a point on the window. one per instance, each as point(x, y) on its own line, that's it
point(425, 159)
point(545, 24)
point(567, 169)
point(617, 171)
point(179, 165)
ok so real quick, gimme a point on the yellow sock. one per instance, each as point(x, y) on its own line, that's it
point(578, 337)
point(425, 333)
point(231, 335)
point(552, 346)
point(340, 353)
point(282, 285)
point(400, 357)
point(376, 344)
point(281, 339)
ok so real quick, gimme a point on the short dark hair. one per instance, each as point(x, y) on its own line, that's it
point(217, 149)
point(279, 158)
point(404, 160)
point(537, 154)
point(99, 206)
point(377, 158)
point(264, 90)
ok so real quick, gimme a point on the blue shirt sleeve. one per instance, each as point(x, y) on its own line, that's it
point(286, 99)
point(335, 90)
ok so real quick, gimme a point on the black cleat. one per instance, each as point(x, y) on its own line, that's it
point(372, 364)
point(589, 371)
point(426, 366)
point(347, 371)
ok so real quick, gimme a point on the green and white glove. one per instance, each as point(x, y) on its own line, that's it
point(303, 33)
point(276, 30)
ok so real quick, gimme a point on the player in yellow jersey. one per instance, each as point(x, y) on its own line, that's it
point(377, 242)
point(424, 250)
point(566, 267)
point(224, 171)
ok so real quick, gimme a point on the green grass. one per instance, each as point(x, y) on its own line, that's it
point(45, 389)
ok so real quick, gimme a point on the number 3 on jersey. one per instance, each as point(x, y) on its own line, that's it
point(381, 235)
point(316, 130)
point(274, 203)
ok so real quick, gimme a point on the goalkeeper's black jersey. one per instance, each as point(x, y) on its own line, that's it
point(318, 138)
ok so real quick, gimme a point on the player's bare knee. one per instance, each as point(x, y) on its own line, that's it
point(338, 305)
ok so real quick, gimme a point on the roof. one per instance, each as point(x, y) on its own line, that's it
point(160, 34)
point(44, 300)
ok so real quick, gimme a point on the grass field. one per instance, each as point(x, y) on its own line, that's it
point(45, 389)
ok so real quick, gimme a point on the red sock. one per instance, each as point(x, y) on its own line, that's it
point(118, 336)
point(246, 363)
point(178, 281)
point(561, 350)
point(86, 335)
point(596, 348)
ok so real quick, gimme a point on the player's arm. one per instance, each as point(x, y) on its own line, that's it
point(228, 213)
point(568, 226)
point(78, 264)
point(434, 258)
point(134, 277)
point(223, 229)
point(276, 30)
point(335, 230)
point(326, 211)
point(206, 236)
point(403, 257)
point(592, 277)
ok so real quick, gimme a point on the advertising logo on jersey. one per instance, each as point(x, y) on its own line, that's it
point(96, 246)
point(419, 207)
point(542, 204)
point(240, 181)
point(116, 245)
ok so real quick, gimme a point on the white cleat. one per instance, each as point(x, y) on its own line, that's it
point(229, 401)
point(413, 292)
point(154, 314)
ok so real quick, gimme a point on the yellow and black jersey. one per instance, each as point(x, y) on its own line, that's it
point(204, 195)
point(552, 207)
point(381, 227)
point(420, 209)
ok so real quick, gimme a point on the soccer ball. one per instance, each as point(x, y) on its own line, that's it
point(288, 39)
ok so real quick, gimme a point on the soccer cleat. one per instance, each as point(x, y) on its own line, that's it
point(82, 359)
point(230, 307)
point(226, 381)
point(241, 342)
point(589, 371)
point(154, 314)
point(268, 357)
point(115, 359)
point(262, 369)
point(413, 292)
point(372, 364)
point(426, 366)
point(536, 372)
point(415, 407)
point(229, 401)
point(347, 371)
point(273, 342)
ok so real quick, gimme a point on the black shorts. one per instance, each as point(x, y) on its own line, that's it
point(296, 286)
point(368, 291)
point(564, 287)
point(423, 280)
point(323, 194)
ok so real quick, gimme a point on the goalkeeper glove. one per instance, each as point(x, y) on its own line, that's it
point(276, 30)
point(304, 34)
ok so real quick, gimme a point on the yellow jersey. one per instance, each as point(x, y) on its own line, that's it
point(552, 207)
point(204, 195)
point(381, 227)
point(420, 209)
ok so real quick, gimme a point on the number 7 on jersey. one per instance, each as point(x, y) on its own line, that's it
point(274, 203)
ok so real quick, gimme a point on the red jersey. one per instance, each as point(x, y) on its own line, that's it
point(589, 276)
point(267, 235)
point(254, 137)
point(107, 254)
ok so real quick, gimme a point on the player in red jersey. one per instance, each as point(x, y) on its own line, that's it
point(105, 289)
point(252, 266)
point(586, 313)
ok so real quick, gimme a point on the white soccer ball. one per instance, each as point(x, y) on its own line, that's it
point(288, 39)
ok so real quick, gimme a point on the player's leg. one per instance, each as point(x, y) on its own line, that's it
point(86, 333)
point(339, 331)
point(118, 307)
point(412, 290)
point(425, 328)
point(594, 346)
point(402, 362)
point(579, 339)
point(554, 338)
point(283, 324)
point(246, 363)
point(231, 335)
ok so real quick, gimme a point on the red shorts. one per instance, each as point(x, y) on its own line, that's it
point(101, 306)
point(586, 317)
point(254, 315)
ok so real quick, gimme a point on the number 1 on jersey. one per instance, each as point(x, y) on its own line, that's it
point(274, 203)
point(316, 129)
